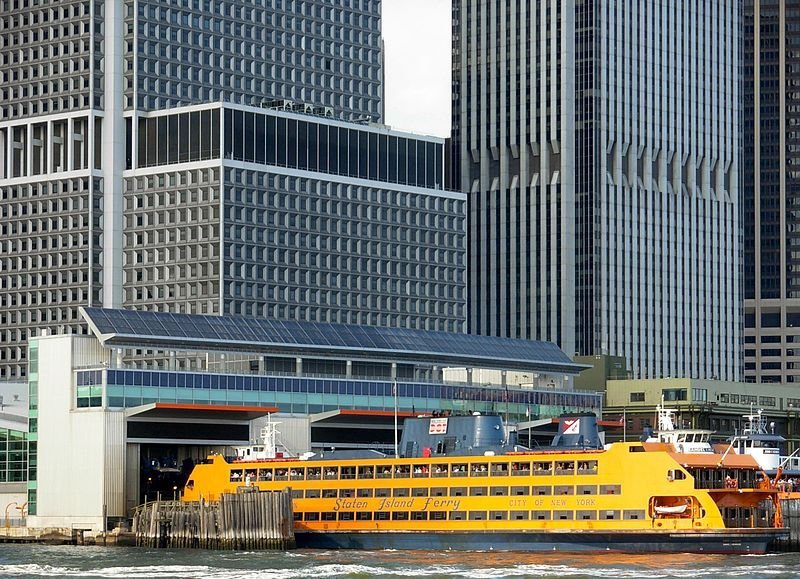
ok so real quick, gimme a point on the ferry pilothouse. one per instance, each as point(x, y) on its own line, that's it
point(465, 482)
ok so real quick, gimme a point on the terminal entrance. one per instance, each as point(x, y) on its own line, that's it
point(165, 441)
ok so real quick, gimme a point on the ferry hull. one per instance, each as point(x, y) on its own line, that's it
point(748, 541)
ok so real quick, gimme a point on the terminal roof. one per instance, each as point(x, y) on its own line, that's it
point(167, 331)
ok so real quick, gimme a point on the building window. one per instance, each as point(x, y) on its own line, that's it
point(637, 396)
point(673, 394)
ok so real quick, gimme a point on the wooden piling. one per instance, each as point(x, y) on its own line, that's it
point(250, 519)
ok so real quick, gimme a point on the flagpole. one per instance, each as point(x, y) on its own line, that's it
point(624, 426)
point(394, 391)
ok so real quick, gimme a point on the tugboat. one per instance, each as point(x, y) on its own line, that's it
point(684, 440)
point(760, 441)
point(464, 482)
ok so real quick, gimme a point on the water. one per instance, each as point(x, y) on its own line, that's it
point(67, 561)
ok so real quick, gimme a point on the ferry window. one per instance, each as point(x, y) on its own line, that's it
point(459, 470)
point(421, 471)
point(385, 472)
point(498, 515)
point(610, 515)
point(297, 494)
point(520, 468)
point(439, 470)
point(610, 489)
point(481, 469)
point(542, 468)
point(565, 467)
point(311, 517)
point(382, 492)
point(347, 493)
point(438, 492)
point(400, 516)
point(636, 448)
point(313, 474)
point(477, 515)
point(329, 516)
point(499, 469)
point(348, 516)
point(312, 493)
point(587, 489)
point(477, 491)
point(400, 492)
point(519, 491)
point(363, 516)
point(382, 516)
point(540, 515)
point(364, 493)
point(297, 473)
point(499, 491)
point(331, 473)
point(419, 516)
point(456, 515)
point(587, 467)
point(236, 475)
point(365, 472)
point(562, 515)
point(402, 471)
point(348, 472)
point(563, 490)
point(457, 491)
point(264, 474)
point(438, 515)
point(542, 490)
point(519, 515)
point(632, 515)
point(251, 474)
point(419, 492)
point(281, 474)
point(586, 515)
point(676, 474)
point(328, 493)
point(298, 516)
point(637, 397)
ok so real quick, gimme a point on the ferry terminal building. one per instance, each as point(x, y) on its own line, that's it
point(119, 415)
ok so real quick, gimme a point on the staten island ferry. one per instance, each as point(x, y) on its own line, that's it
point(463, 482)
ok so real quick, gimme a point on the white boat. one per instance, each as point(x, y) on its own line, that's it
point(676, 510)
point(683, 440)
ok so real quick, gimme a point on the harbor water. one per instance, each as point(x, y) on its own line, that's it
point(111, 562)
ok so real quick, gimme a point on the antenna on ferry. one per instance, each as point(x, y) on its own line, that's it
point(394, 393)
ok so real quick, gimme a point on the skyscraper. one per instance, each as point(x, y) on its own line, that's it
point(598, 144)
point(771, 190)
point(135, 169)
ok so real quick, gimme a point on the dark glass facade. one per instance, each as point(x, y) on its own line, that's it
point(309, 145)
point(179, 138)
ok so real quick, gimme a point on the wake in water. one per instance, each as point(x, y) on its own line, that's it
point(45, 561)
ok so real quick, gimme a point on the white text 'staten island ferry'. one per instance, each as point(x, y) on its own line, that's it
point(461, 482)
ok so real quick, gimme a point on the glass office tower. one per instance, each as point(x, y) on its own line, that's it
point(598, 143)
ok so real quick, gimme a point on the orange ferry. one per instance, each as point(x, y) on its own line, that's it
point(462, 482)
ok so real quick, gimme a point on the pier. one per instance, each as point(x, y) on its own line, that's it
point(249, 519)
point(791, 520)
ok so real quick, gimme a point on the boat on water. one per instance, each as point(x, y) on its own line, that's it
point(683, 440)
point(464, 482)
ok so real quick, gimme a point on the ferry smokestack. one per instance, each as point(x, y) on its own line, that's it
point(577, 431)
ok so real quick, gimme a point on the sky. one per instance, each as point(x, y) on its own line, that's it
point(416, 36)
